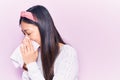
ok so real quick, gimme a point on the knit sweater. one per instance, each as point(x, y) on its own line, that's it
point(65, 66)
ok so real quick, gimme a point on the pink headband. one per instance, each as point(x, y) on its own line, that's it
point(27, 15)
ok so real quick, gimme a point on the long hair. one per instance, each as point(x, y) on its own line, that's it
point(50, 38)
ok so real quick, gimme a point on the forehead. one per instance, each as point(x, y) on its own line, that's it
point(27, 26)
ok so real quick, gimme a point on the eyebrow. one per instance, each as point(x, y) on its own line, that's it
point(25, 30)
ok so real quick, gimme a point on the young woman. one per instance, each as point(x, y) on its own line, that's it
point(54, 60)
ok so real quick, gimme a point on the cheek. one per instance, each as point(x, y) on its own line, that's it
point(35, 37)
point(38, 38)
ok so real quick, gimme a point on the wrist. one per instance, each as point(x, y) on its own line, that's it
point(28, 62)
point(32, 66)
point(24, 67)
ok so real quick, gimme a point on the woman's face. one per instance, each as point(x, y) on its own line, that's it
point(31, 31)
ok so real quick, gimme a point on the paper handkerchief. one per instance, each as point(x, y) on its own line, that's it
point(16, 56)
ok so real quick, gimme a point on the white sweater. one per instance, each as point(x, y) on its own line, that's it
point(65, 67)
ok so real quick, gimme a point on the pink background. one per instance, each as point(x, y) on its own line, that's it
point(92, 27)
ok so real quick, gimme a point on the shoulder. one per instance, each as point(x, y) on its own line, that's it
point(67, 59)
point(66, 64)
point(68, 50)
point(67, 53)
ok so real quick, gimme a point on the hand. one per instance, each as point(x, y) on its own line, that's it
point(27, 51)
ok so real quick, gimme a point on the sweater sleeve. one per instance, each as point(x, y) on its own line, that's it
point(66, 67)
point(34, 72)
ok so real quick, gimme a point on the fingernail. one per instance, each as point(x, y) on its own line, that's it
point(27, 37)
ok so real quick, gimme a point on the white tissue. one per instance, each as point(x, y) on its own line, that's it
point(16, 56)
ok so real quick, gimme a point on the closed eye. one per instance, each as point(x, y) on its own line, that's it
point(26, 32)
point(23, 32)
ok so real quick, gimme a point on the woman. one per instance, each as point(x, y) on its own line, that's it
point(54, 60)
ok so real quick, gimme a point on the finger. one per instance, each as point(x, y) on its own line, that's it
point(27, 44)
point(31, 46)
point(22, 49)
point(36, 53)
point(24, 42)
point(25, 48)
